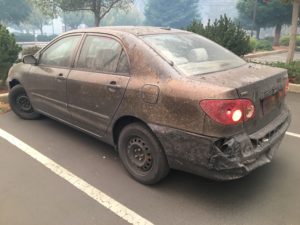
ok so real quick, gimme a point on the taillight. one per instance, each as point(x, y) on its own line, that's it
point(286, 87)
point(229, 111)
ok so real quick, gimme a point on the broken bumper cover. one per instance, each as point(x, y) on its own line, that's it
point(222, 158)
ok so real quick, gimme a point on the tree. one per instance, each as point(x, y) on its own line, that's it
point(72, 19)
point(9, 51)
point(171, 13)
point(13, 11)
point(36, 19)
point(117, 18)
point(224, 32)
point(49, 8)
point(293, 35)
point(120, 18)
point(268, 14)
point(99, 8)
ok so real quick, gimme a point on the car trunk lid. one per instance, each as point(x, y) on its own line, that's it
point(264, 85)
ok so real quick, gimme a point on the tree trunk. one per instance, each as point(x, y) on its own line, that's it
point(293, 35)
point(257, 33)
point(52, 26)
point(277, 35)
point(41, 29)
point(97, 19)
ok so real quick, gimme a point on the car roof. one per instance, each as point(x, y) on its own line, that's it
point(134, 30)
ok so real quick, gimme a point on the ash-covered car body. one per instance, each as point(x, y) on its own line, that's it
point(164, 98)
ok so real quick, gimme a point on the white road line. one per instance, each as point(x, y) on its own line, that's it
point(102, 198)
point(293, 134)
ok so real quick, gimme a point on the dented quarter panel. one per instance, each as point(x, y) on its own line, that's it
point(222, 158)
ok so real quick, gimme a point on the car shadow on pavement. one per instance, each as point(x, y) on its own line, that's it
point(235, 193)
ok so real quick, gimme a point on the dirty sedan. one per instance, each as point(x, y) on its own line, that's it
point(164, 98)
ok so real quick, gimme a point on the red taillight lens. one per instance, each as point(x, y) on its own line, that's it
point(229, 112)
point(286, 88)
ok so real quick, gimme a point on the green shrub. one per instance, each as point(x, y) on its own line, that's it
point(24, 37)
point(9, 51)
point(293, 70)
point(45, 38)
point(4, 67)
point(30, 50)
point(253, 43)
point(285, 40)
point(261, 45)
point(269, 39)
point(264, 45)
point(225, 32)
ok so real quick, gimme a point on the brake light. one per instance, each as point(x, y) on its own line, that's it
point(286, 87)
point(229, 111)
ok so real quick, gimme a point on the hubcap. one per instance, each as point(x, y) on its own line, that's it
point(139, 154)
point(24, 103)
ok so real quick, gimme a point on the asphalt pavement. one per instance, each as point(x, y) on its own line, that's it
point(32, 194)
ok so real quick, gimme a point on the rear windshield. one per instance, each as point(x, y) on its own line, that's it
point(193, 54)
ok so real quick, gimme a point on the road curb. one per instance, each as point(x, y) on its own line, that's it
point(294, 88)
point(260, 54)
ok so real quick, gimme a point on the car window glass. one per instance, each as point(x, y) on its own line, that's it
point(99, 54)
point(193, 54)
point(123, 66)
point(60, 53)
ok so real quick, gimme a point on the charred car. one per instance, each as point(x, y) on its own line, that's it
point(164, 98)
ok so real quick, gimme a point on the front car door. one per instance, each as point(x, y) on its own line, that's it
point(97, 84)
point(48, 79)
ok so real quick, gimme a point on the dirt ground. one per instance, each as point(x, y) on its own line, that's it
point(4, 107)
point(3, 89)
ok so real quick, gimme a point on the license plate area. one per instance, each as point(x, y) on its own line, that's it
point(271, 102)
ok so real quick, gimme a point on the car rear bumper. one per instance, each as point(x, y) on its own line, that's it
point(222, 158)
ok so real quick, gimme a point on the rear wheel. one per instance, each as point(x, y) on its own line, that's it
point(142, 154)
point(20, 103)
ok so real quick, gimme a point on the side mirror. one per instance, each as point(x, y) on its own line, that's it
point(29, 59)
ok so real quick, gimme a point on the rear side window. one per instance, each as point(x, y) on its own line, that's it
point(102, 54)
point(60, 53)
point(123, 66)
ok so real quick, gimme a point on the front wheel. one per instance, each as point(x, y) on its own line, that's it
point(142, 154)
point(20, 103)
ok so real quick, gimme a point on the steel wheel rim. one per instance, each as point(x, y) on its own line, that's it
point(24, 103)
point(139, 154)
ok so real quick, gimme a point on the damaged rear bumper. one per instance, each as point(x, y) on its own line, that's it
point(222, 158)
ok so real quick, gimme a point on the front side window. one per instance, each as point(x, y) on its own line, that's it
point(60, 53)
point(193, 54)
point(102, 54)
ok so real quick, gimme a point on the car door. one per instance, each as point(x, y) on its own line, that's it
point(97, 84)
point(48, 78)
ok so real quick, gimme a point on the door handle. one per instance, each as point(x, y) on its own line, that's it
point(113, 86)
point(60, 77)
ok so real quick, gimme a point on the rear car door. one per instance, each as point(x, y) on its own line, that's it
point(97, 84)
point(48, 78)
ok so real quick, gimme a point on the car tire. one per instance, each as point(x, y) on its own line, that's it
point(142, 154)
point(20, 103)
